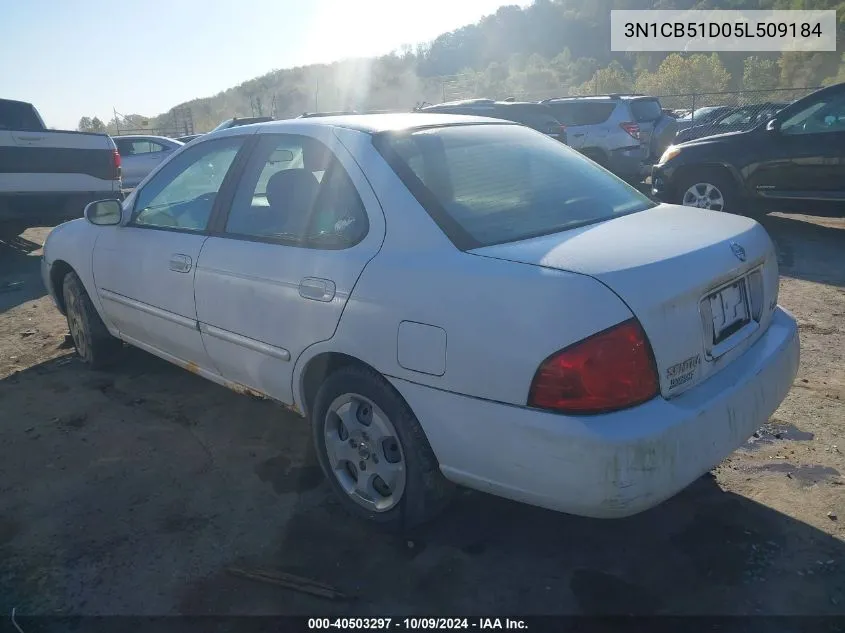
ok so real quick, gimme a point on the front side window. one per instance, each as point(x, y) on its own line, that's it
point(295, 191)
point(182, 194)
point(489, 184)
point(741, 116)
point(824, 116)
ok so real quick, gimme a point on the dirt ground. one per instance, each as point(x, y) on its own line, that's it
point(133, 492)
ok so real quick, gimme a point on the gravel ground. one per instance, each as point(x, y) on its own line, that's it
point(133, 492)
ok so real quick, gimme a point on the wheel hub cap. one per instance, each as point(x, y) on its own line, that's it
point(704, 195)
point(364, 452)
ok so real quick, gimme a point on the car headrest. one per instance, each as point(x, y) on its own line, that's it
point(292, 191)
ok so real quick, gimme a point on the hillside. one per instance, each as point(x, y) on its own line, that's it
point(552, 47)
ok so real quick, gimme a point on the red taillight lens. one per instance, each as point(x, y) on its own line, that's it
point(611, 370)
point(116, 161)
point(631, 128)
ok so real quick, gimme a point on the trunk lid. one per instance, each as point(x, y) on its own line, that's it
point(702, 284)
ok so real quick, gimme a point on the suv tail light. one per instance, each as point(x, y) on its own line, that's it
point(608, 371)
point(631, 128)
point(116, 163)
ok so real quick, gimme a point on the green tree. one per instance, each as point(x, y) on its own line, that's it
point(683, 75)
point(839, 77)
point(84, 124)
point(759, 74)
point(97, 126)
point(614, 78)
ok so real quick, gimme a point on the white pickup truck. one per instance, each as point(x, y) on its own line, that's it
point(48, 176)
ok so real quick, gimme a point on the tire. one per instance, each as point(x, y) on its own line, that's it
point(708, 189)
point(597, 157)
point(94, 345)
point(359, 417)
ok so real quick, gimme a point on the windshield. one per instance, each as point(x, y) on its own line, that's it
point(502, 183)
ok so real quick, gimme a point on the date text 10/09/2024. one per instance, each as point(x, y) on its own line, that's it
point(417, 624)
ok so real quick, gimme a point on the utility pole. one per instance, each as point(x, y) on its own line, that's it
point(116, 121)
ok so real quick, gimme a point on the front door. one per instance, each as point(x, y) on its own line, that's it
point(806, 157)
point(277, 273)
point(144, 271)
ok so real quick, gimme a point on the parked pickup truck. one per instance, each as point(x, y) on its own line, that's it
point(48, 175)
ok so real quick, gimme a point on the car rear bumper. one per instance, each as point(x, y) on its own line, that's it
point(611, 465)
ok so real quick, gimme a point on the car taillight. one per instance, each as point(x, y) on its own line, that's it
point(608, 371)
point(116, 163)
point(631, 128)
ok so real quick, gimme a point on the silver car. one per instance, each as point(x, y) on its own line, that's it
point(139, 155)
point(623, 133)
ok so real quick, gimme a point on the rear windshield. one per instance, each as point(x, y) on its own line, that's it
point(19, 116)
point(583, 112)
point(646, 110)
point(489, 184)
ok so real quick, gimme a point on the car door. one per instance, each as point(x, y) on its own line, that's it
point(804, 156)
point(144, 270)
point(276, 274)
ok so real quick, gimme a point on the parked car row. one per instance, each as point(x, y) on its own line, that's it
point(623, 133)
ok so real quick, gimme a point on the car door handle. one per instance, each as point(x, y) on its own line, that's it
point(578, 135)
point(317, 289)
point(180, 263)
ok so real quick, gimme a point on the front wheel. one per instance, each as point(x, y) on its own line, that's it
point(95, 346)
point(708, 190)
point(374, 452)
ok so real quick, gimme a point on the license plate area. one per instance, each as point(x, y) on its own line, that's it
point(726, 314)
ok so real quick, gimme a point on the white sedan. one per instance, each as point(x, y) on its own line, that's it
point(448, 300)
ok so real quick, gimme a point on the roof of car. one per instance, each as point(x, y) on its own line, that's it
point(611, 97)
point(391, 122)
point(144, 137)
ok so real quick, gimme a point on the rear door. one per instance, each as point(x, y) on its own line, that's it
point(283, 259)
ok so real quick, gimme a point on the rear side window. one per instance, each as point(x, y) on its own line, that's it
point(582, 112)
point(295, 191)
point(489, 184)
point(16, 115)
point(646, 110)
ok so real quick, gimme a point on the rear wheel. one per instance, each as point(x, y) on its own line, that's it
point(374, 452)
point(597, 156)
point(708, 189)
point(95, 346)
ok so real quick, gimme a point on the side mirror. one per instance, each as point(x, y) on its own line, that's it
point(773, 126)
point(104, 212)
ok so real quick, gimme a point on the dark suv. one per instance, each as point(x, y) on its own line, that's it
point(797, 156)
point(534, 115)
